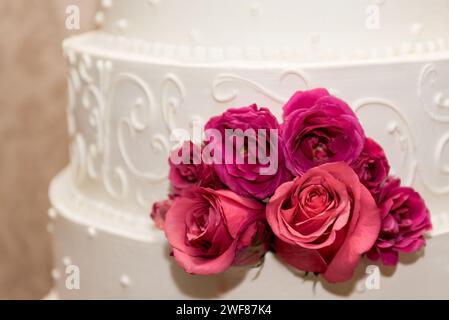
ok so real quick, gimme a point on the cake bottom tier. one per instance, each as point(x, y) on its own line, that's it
point(92, 261)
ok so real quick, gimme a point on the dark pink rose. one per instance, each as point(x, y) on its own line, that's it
point(159, 211)
point(245, 178)
point(405, 219)
point(324, 221)
point(212, 230)
point(303, 100)
point(372, 166)
point(318, 129)
point(191, 171)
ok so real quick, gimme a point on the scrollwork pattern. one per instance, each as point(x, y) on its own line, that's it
point(398, 129)
point(119, 122)
point(141, 112)
point(171, 102)
point(434, 93)
point(442, 145)
point(441, 164)
point(78, 156)
point(226, 87)
point(96, 86)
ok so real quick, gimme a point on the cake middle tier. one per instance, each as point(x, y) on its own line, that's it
point(123, 107)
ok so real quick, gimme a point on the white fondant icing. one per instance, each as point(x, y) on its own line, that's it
point(143, 76)
point(231, 23)
point(154, 275)
point(125, 106)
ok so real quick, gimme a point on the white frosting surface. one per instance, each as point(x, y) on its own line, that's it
point(158, 65)
point(289, 25)
point(123, 106)
point(114, 266)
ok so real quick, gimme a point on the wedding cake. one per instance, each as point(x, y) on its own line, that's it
point(154, 66)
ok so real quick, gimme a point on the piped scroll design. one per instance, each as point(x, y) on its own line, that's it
point(173, 94)
point(226, 87)
point(440, 166)
point(433, 92)
point(398, 129)
point(93, 93)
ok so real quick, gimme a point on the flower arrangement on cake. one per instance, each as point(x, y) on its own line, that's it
point(313, 189)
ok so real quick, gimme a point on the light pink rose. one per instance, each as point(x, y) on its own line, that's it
point(212, 230)
point(324, 221)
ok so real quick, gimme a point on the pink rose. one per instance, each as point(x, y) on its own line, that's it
point(318, 129)
point(303, 100)
point(324, 221)
point(245, 178)
point(191, 171)
point(405, 219)
point(212, 230)
point(159, 211)
point(372, 166)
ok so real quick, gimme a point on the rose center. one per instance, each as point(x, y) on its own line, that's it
point(189, 173)
point(316, 147)
point(314, 200)
point(370, 171)
point(197, 224)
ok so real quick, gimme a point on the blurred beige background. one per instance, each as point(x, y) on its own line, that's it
point(33, 138)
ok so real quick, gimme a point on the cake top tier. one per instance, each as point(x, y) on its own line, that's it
point(302, 25)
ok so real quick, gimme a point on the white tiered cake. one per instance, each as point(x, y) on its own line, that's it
point(157, 65)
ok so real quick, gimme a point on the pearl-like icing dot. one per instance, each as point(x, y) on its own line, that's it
point(152, 2)
point(125, 281)
point(52, 213)
point(106, 3)
point(92, 232)
point(416, 29)
point(67, 261)
point(55, 274)
point(122, 24)
point(99, 18)
point(392, 126)
point(256, 9)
